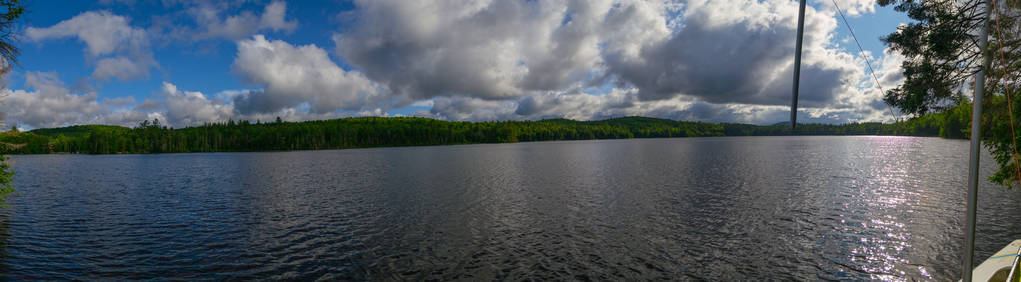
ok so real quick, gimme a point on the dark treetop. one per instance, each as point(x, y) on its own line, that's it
point(242, 136)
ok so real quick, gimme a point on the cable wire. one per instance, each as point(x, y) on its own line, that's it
point(867, 63)
point(1006, 86)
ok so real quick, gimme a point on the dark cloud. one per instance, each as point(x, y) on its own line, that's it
point(737, 62)
point(494, 50)
point(474, 109)
point(505, 50)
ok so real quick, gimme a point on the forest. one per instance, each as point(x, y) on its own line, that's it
point(364, 132)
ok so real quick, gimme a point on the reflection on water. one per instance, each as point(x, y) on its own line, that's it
point(804, 208)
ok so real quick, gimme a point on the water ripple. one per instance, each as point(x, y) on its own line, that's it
point(786, 208)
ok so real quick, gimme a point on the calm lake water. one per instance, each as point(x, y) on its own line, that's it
point(802, 208)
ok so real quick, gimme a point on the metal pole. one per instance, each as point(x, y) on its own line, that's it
point(797, 66)
point(976, 150)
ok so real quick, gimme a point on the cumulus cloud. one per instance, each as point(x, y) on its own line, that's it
point(295, 75)
point(119, 50)
point(47, 102)
point(852, 8)
point(190, 108)
point(494, 50)
point(468, 108)
point(484, 55)
point(102, 32)
point(618, 103)
point(212, 24)
point(51, 104)
point(737, 53)
point(183, 108)
point(122, 67)
point(867, 102)
point(722, 61)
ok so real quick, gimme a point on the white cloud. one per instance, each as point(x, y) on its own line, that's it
point(51, 104)
point(105, 34)
point(273, 18)
point(494, 50)
point(121, 67)
point(469, 108)
point(102, 32)
point(851, 8)
point(620, 103)
point(191, 108)
point(867, 95)
point(211, 24)
point(483, 55)
point(182, 108)
point(495, 60)
point(741, 52)
point(295, 75)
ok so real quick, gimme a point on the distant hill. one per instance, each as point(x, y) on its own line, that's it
point(621, 121)
point(362, 132)
point(78, 130)
point(639, 121)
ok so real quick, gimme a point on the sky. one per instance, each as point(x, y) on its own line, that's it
point(187, 63)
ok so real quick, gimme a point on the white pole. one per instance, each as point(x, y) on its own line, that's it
point(976, 150)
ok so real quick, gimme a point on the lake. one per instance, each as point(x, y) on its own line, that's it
point(804, 208)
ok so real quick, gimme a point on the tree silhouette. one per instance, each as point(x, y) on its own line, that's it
point(8, 59)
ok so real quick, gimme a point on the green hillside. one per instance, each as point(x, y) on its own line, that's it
point(78, 130)
point(361, 132)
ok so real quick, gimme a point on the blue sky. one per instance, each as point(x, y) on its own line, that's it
point(202, 65)
point(187, 63)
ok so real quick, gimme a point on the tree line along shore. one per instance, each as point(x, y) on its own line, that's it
point(364, 132)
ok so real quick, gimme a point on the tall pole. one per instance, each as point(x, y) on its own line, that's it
point(976, 150)
point(797, 66)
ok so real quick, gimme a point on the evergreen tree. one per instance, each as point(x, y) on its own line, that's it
point(942, 53)
point(10, 12)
